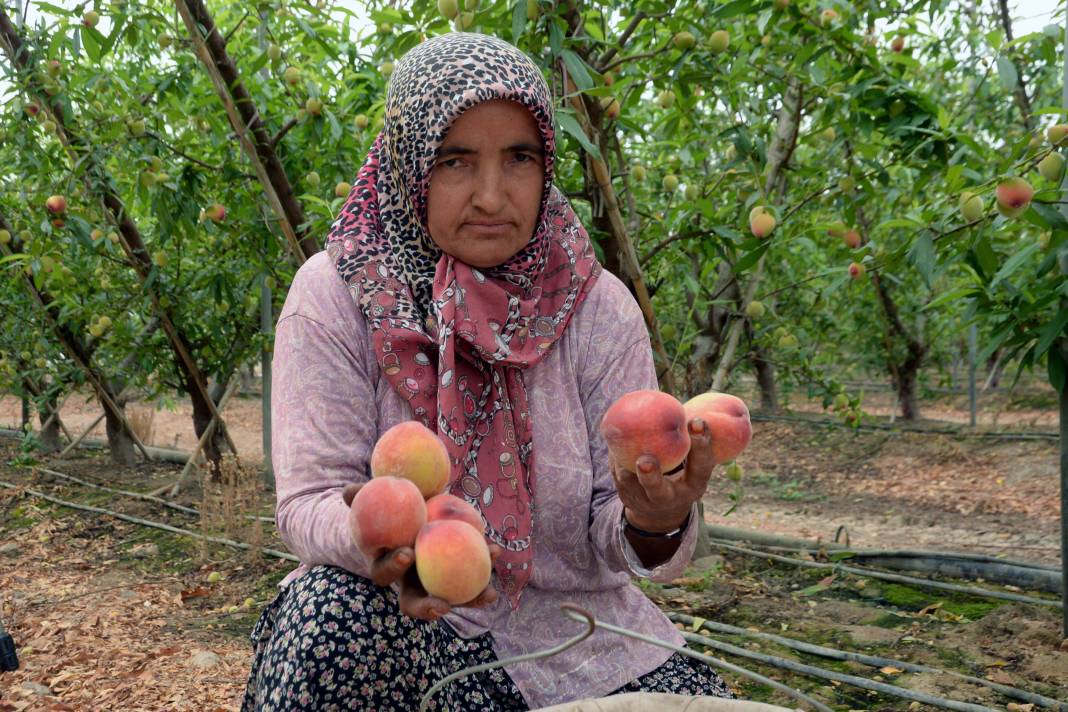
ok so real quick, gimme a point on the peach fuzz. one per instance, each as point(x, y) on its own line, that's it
point(386, 513)
point(414, 452)
point(447, 506)
point(646, 423)
point(452, 560)
point(727, 419)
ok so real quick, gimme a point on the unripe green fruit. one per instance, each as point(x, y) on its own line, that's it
point(1057, 134)
point(668, 332)
point(971, 206)
point(448, 8)
point(637, 172)
point(846, 184)
point(164, 40)
point(5, 237)
point(361, 121)
point(692, 192)
point(313, 106)
point(684, 40)
point(160, 259)
point(385, 28)
point(104, 321)
point(96, 331)
point(342, 189)
point(113, 238)
point(533, 10)
point(91, 18)
point(755, 310)
point(136, 128)
point(291, 76)
point(611, 107)
point(465, 20)
point(156, 163)
point(312, 179)
point(666, 99)
point(387, 67)
point(718, 41)
point(788, 342)
point(733, 472)
point(274, 53)
point(670, 183)
point(829, 134)
point(1052, 166)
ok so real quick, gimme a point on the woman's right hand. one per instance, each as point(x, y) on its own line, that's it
point(389, 566)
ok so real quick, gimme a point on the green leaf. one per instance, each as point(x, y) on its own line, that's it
point(1050, 217)
point(1051, 331)
point(994, 38)
point(519, 19)
point(1014, 262)
point(1057, 368)
point(1007, 73)
point(948, 297)
point(91, 44)
point(577, 69)
point(571, 126)
point(750, 258)
point(923, 257)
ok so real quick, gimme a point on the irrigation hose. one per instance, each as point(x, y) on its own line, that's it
point(864, 659)
point(896, 578)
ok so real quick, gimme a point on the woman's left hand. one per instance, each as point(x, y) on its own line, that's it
point(657, 502)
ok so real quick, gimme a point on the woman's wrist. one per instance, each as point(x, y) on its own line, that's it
point(660, 524)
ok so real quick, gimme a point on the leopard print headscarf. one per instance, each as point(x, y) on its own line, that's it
point(452, 339)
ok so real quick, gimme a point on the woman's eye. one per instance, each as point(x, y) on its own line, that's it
point(524, 157)
point(449, 162)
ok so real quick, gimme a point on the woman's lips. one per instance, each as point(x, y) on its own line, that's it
point(488, 228)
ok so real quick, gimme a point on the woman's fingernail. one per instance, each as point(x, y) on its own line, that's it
point(645, 466)
point(697, 426)
point(403, 559)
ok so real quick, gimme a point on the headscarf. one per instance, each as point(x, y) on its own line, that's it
point(454, 340)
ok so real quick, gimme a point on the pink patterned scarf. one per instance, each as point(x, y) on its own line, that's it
point(452, 339)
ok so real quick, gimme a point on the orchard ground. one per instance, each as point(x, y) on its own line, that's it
point(109, 613)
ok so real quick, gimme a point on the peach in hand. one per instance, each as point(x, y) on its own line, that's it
point(727, 419)
point(387, 513)
point(447, 506)
point(646, 422)
point(452, 560)
point(414, 452)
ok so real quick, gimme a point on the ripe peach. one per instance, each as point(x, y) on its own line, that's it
point(414, 452)
point(447, 506)
point(452, 560)
point(856, 270)
point(56, 204)
point(851, 239)
point(646, 423)
point(727, 419)
point(761, 222)
point(386, 513)
point(1014, 195)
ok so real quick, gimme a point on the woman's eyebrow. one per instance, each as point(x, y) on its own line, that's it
point(465, 151)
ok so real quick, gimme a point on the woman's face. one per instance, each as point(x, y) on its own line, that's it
point(486, 184)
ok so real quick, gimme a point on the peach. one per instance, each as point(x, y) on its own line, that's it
point(1014, 196)
point(727, 419)
point(447, 506)
point(452, 560)
point(414, 452)
point(386, 513)
point(646, 423)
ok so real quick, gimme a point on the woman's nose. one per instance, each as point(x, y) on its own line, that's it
point(489, 190)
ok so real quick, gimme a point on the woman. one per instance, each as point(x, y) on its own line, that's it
point(469, 299)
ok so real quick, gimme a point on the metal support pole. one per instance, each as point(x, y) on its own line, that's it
point(266, 326)
point(971, 374)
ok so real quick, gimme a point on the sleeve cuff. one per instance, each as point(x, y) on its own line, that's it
point(631, 557)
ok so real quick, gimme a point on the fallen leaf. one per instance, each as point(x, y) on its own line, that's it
point(194, 593)
point(888, 670)
point(999, 676)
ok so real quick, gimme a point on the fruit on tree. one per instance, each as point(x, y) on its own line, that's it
point(727, 420)
point(448, 506)
point(342, 189)
point(1057, 134)
point(312, 179)
point(897, 44)
point(856, 270)
point(846, 184)
point(971, 206)
point(1014, 196)
point(56, 204)
point(692, 192)
point(851, 238)
point(291, 76)
point(670, 183)
point(829, 134)
point(361, 121)
point(755, 310)
point(837, 229)
point(828, 17)
point(164, 40)
point(533, 10)
point(54, 67)
point(452, 560)
point(113, 238)
point(216, 212)
point(160, 259)
point(386, 513)
point(684, 40)
point(414, 452)
point(385, 28)
point(646, 422)
point(666, 99)
point(5, 237)
point(782, 4)
point(314, 106)
point(761, 222)
point(610, 106)
point(718, 41)
point(448, 8)
point(637, 172)
point(1052, 166)
point(91, 18)
point(274, 52)
point(136, 127)
point(32, 109)
point(387, 67)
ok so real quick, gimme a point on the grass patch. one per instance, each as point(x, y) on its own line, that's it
point(17, 518)
point(916, 599)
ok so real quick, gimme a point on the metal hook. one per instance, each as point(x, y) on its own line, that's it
point(569, 609)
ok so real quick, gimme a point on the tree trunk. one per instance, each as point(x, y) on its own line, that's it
point(120, 443)
point(906, 389)
point(49, 433)
point(765, 376)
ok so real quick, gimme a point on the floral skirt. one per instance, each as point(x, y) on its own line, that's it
point(332, 640)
